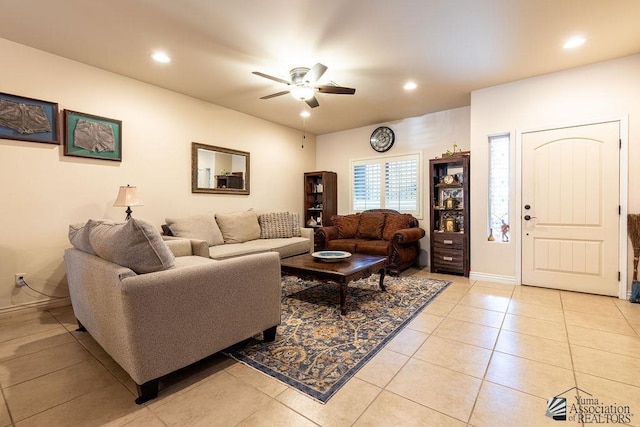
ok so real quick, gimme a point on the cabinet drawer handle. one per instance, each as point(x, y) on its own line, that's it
point(447, 258)
point(448, 242)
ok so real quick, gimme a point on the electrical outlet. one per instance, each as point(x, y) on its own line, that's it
point(19, 278)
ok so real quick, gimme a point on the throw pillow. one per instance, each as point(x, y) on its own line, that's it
point(275, 225)
point(347, 225)
point(295, 226)
point(202, 227)
point(395, 222)
point(135, 244)
point(371, 225)
point(238, 227)
point(79, 234)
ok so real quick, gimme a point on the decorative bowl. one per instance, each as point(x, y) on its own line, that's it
point(331, 256)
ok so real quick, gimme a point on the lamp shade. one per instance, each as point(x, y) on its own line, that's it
point(128, 196)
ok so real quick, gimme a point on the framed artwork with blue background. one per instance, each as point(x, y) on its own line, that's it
point(28, 119)
point(90, 136)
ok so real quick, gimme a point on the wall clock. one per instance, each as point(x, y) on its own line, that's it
point(382, 139)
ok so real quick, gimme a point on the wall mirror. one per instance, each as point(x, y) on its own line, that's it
point(219, 170)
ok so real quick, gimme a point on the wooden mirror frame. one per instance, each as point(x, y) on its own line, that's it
point(195, 146)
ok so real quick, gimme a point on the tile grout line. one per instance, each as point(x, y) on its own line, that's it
point(486, 369)
point(573, 367)
point(6, 405)
point(411, 357)
point(57, 370)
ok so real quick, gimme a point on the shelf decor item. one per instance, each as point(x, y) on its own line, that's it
point(451, 203)
point(95, 137)
point(28, 119)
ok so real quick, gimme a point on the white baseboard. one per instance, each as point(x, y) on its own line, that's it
point(41, 305)
point(495, 278)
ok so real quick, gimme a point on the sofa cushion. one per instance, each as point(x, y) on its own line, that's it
point(135, 244)
point(395, 222)
point(347, 225)
point(191, 260)
point(290, 247)
point(201, 227)
point(295, 225)
point(275, 225)
point(348, 245)
point(373, 247)
point(238, 227)
point(285, 247)
point(79, 234)
point(232, 250)
point(371, 225)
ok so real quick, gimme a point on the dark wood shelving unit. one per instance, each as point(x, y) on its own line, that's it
point(320, 197)
point(450, 218)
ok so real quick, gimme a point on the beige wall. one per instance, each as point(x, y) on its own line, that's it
point(42, 191)
point(607, 90)
point(431, 135)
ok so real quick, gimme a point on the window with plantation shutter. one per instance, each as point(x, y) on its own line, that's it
point(387, 183)
point(367, 186)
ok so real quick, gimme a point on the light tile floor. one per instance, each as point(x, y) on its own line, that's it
point(481, 354)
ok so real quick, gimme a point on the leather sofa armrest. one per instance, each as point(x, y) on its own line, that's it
point(325, 234)
point(408, 235)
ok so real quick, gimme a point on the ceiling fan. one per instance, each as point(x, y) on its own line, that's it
point(302, 84)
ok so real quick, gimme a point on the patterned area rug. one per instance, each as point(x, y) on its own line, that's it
point(317, 350)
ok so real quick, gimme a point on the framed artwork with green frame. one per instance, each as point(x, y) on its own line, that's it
point(90, 136)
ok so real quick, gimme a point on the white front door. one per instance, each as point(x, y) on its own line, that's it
point(570, 208)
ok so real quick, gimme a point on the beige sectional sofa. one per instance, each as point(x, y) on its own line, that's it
point(229, 235)
point(155, 307)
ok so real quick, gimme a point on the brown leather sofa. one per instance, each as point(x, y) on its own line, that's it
point(375, 232)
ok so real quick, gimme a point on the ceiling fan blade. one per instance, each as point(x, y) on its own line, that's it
point(315, 73)
point(273, 95)
point(340, 90)
point(312, 102)
point(267, 76)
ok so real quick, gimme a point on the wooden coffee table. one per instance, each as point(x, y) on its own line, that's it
point(357, 266)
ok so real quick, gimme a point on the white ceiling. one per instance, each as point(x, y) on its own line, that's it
point(448, 47)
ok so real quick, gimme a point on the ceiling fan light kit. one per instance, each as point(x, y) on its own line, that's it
point(302, 92)
point(302, 84)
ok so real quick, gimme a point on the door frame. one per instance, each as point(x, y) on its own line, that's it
point(623, 122)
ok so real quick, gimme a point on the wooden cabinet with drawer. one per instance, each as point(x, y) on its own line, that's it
point(449, 211)
point(448, 253)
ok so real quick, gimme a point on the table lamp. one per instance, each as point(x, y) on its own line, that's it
point(128, 196)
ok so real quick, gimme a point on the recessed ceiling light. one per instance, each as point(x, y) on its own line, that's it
point(573, 42)
point(305, 114)
point(161, 57)
point(410, 86)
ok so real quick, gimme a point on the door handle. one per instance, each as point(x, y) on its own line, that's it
point(529, 217)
